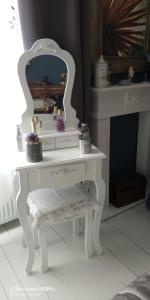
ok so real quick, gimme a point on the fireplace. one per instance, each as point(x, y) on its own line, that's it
point(116, 101)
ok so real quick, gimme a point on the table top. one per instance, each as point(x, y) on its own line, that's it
point(57, 157)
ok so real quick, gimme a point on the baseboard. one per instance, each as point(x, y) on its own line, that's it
point(113, 211)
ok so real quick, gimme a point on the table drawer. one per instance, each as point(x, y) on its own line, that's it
point(58, 175)
point(48, 143)
point(67, 141)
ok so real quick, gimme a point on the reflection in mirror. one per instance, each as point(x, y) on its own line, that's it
point(46, 77)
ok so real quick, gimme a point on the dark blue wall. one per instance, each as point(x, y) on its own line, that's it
point(46, 65)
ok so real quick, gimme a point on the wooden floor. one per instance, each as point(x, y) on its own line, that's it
point(126, 255)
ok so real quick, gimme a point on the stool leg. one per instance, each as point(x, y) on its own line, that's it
point(96, 230)
point(43, 248)
point(36, 240)
point(23, 241)
point(88, 236)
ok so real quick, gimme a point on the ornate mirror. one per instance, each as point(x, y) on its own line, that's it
point(46, 75)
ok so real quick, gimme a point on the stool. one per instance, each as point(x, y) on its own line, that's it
point(49, 206)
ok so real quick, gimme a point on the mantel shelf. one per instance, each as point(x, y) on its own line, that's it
point(122, 87)
point(119, 100)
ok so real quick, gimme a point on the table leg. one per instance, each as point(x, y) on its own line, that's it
point(100, 197)
point(21, 191)
point(96, 230)
point(29, 240)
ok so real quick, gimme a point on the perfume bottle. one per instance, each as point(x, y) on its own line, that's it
point(85, 131)
point(55, 111)
point(84, 139)
point(60, 125)
point(19, 139)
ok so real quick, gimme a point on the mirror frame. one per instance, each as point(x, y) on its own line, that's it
point(47, 47)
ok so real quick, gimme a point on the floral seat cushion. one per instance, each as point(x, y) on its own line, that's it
point(55, 206)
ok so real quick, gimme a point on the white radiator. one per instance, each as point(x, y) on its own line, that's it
point(8, 212)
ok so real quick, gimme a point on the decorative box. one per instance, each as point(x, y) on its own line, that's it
point(128, 189)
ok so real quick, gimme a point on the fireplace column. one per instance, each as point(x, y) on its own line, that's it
point(143, 147)
point(116, 101)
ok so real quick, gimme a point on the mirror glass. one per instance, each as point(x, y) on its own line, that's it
point(46, 76)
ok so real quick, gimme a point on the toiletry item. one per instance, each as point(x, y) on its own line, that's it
point(35, 124)
point(85, 146)
point(60, 125)
point(85, 131)
point(101, 73)
point(33, 148)
point(63, 78)
point(84, 139)
point(19, 139)
point(130, 73)
point(55, 111)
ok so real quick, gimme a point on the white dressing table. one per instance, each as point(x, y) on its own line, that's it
point(59, 168)
point(62, 167)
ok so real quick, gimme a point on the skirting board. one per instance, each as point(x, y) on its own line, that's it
point(113, 211)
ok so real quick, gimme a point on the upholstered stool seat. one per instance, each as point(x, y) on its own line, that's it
point(48, 206)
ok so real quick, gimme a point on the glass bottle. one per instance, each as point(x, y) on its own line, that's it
point(60, 121)
point(85, 131)
point(19, 139)
point(55, 111)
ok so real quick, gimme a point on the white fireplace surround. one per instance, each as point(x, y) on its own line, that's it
point(116, 101)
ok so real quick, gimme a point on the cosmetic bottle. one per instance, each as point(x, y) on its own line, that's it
point(19, 139)
point(55, 111)
point(60, 125)
point(84, 139)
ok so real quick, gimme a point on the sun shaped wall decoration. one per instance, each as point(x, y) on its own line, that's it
point(123, 27)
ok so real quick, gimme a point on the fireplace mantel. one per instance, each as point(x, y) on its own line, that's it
point(115, 101)
point(119, 100)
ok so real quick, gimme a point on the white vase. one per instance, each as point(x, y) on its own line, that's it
point(101, 73)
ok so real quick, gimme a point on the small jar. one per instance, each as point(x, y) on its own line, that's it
point(85, 146)
point(34, 152)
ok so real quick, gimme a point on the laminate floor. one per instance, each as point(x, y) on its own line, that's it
point(126, 255)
